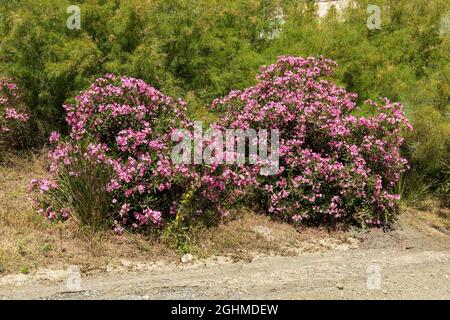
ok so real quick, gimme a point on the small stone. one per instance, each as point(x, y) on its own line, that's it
point(109, 268)
point(264, 231)
point(126, 263)
point(187, 258)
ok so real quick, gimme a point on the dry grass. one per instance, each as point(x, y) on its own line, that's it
point(240, 240)
point(28, 241)
point(431, 212)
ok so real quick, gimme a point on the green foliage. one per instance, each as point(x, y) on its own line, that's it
point(211, 46)
point(25, 270)
point(413, 188)
point(83, 192)
point(180, 233)
point(430, 140)
point(200, 49)
point(206, 47)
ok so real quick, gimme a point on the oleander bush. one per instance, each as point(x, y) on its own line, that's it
point(115, 167)
point(14, 125)
point(333, 165)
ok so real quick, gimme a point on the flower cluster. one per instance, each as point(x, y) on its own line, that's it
point(43, 186)
point(9, 115)
point(332, 163)
point(124, 124)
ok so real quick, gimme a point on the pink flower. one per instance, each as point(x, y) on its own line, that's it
point(54, 137)
point(12, 114)
point(65, 213)
point(118, 229)
point(153, 215)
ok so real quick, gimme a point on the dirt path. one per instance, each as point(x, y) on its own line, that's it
point(412, 262)
point(343, 275)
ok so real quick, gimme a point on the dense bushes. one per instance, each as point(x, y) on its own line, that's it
point(406, 60)
point(333, 165)
point(116, 164)
point(200, 50)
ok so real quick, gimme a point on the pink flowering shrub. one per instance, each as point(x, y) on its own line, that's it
point(13, 119)
point(115, 166)
point(120, 142)
point(333, 165)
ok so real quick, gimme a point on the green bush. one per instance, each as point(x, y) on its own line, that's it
point(430, 140)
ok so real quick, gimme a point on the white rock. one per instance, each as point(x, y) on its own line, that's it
point(187, 258)
point(264, 231)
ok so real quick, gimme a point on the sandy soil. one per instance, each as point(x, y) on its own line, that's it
point(412, 262)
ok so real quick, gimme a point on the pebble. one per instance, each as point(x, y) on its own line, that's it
point(187, 258)
point(264, 231)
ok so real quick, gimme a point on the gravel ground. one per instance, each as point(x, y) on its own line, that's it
point(409, 263)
